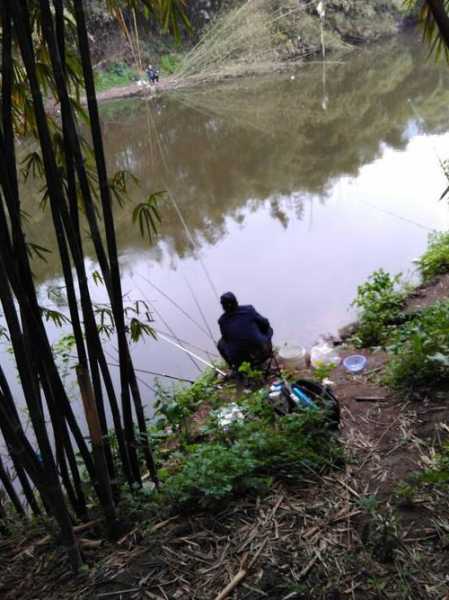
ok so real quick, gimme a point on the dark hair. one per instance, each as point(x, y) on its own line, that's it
point(229, 302)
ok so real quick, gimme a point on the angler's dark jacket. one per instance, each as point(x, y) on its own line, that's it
point(244, 333)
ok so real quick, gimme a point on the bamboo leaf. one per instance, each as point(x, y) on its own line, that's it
point(97, 277)
point(57, 318)
point(146, 214)
point(138, 330)
point(37, 250)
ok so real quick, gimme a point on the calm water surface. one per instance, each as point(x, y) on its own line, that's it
point(293, 192)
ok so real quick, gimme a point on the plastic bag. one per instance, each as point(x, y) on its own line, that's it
point(323, 354)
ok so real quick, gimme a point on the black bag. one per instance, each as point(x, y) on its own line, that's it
point(321, 396)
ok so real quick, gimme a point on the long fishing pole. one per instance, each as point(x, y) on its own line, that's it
point(156, 374)
point(189, 344)
point(205, 362)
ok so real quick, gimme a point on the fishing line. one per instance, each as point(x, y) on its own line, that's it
point(392, 214)
point(200, 310)
point(443, 164)
point(159, 314)
point(174, 303)
point(189, 235)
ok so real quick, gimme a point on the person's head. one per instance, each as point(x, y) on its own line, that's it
point(229, 302)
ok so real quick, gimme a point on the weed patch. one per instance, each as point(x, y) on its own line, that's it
point(170, 63)
point(380, 302)
point(435, 260)
point(420, 350)
point(116, 75)
point(241, 457)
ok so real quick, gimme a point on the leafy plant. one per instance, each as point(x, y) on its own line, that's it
point(118, 74)
point(249, 374)
point(322, 371)
point(146, 214)
point(249, 455)
point(169, 63)
point(435, 260)
point(172, 410)
point(211, 472)
point(421, 350)
point(380, 304)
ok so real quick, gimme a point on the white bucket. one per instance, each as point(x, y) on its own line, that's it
point(292, 355)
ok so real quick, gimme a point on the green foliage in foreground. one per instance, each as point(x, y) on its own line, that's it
point(380, 303)
point(116, 75)
point(243, 457)
point(435, 260)
point(421, 350)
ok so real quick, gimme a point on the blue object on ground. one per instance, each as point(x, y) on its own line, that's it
point(303, 399)
point(355, 363)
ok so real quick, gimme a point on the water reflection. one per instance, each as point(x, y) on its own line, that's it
point(223, 151)
point(289, 205)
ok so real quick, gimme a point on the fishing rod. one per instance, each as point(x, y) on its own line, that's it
point(205, 362)
point(156, 374)
point(186, 343)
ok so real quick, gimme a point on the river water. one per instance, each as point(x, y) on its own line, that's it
point(292, 189)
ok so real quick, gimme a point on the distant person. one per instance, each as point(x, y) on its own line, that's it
point(246, 335)
point(152, 74)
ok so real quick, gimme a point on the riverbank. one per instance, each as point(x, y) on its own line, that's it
point(243, 38)
point(373, 527)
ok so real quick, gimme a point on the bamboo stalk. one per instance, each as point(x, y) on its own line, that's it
point(96, 436)
point(21, 474)
point(92, 220)
point(95, 351)
point(9, 488)
point(127, 375)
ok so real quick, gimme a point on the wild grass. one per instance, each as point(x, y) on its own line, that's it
point(116, 75)
point(380, 301)
point(420, 350)
point(435, 260)
point(218, 462)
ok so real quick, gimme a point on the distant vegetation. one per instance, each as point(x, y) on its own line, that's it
point(116, 75)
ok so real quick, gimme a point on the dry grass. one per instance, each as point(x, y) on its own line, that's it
point(255, 38)
point(326, 539)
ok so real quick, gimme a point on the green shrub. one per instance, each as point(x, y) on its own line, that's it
point(421, 350)
point(169, 63)
point(209, 474)
point(248, 456)
point(117, 74)
point(435, 260)
point(173, 409)
point(380, 303)
point(294, 445)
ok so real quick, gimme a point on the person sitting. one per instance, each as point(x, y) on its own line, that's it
point(246, 335)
